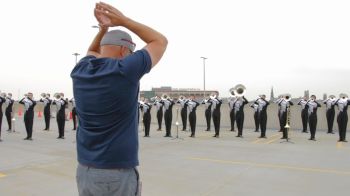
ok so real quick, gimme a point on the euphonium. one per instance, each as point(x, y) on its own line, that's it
point(239, 90)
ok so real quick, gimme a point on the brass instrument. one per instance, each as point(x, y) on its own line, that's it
point(3, 95)
point(287, 97)
point(239, 90)
point(213, 96)
point(43, 95)
point(181, 98)
point(331, 97)
point(57, 95)
point(343, 95)
point(165, 96)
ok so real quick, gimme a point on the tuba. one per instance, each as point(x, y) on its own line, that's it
point(239, 90)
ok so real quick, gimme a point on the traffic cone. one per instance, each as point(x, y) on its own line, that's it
point(70, 116)
point(39, 114)
point(19, 112)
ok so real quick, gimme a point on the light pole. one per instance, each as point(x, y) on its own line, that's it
point(76, 57)
point(204, 58)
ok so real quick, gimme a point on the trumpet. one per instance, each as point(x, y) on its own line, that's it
point(239, 90)
point(181, 98)
point(57, 95)
point(288, 97)
point(343, 95)
point(165, 96)
point(331, 97)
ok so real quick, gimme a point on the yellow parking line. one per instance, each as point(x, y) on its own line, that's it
point(262, 139)
point(2, 175)
point(339, 144)
point(274, 166)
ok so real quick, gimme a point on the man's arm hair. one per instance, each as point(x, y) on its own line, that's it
point(94, 48)
point(156, 43)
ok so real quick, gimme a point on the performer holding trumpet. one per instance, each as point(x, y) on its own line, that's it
point(146, 111)
point(8, 110)
point(207, 112)
point(159, 107)
point(255, 107)
point(330, 112)
point(60, 103)
point(183, 103)
point(45, 98)
point(231, 104)
point(304, 114)
point(312, 106)
point(216, 113)
point(262, 115)
point(285, 104)
point(2, 101)
point(343, 102)
point(168, 113)
point(192, 106)
point(29, 105)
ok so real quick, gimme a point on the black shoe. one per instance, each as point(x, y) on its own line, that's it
point(8, 130)
point(0, 140)
point(263, 137)
point(305, 132)
point(283, 138)
point(146, 136)
point(191, 135)
point(256, 131)
point(30, 139)
point(159, 130)
point(280, 131)
point(239, 136)
point(25, 138)
point(312, 139)
point(207, 130)
point(345, 140)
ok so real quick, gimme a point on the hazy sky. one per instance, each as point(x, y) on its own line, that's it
point(291, 45)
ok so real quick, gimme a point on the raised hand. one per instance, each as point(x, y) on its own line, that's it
point(108, 16)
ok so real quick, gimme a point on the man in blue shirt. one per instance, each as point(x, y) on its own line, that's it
point(106, 89)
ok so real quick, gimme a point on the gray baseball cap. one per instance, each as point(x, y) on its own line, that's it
point(118, 38)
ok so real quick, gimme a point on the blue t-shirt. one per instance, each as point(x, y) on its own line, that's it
point(106, 96)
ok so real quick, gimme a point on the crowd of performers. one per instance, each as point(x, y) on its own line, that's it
point(29, 104)
point(188, 106)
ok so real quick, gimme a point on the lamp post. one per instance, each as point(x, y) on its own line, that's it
point(204, 58)
point(76, 57)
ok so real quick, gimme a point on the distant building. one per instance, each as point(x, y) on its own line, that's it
point(176, 92)
point(324, 96)
point(307, 94)
point(272, 95)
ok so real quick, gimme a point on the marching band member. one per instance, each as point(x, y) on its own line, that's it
point(284, 104)
point(159, 107)
point(146, 110)
point(342, 118)
point(231, 104)
point(47, 109)
point(182, 101)
point(312, 106)
point(277, 101)
point(207, 112)
point(304, 114)
point(330, 112)
point(8, 111)
point(2, 101)
point(192, 106)
point(262, 115)
point(255, 106)
point(74, 114)
point(216, 113)
point(168, 113)
point(60, 103)
point(29, 105)
point(239, 114)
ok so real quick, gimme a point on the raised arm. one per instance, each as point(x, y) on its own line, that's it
point(94, 48)
point(156, 43)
